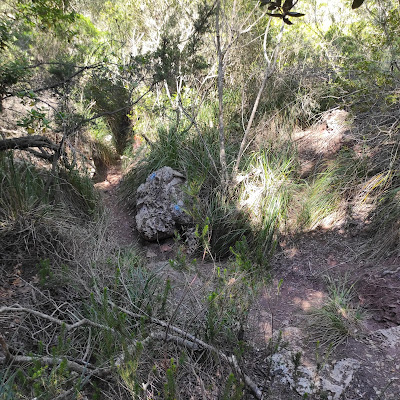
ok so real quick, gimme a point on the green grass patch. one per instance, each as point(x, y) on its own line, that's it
point(339, 318)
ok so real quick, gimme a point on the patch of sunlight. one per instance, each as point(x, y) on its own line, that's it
point(313, 299)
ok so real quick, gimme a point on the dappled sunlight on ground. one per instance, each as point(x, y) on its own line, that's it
point(312, 299)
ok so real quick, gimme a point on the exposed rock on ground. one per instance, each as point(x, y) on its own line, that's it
point(292, 366)
point(160, 205)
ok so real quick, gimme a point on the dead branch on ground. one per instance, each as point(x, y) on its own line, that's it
point(53, 361)
point(182, 338)
point(68, 327)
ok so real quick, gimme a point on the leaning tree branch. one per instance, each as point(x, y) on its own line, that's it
point(26, 142)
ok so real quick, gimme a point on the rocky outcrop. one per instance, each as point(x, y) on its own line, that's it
point(160, 205)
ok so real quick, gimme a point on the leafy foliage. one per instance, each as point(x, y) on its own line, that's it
point(282, 10)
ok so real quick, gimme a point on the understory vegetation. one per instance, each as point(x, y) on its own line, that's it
point(281, 125)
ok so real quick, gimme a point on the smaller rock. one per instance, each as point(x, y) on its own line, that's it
point(150, 254)
point(390, 336)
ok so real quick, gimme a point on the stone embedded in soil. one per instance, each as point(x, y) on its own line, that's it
point(305, 378)
point(160, 205)
point(390, 336)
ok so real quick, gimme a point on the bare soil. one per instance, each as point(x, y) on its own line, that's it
point(121, 222)
point(300, 270)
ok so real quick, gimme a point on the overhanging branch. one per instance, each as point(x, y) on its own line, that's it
point(26, 142)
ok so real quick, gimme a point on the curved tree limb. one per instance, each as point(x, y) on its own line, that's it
point(26, 142)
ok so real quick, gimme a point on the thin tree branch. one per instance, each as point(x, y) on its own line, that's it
point(54, 85)
point(72, 365)
point(267, 74)
point(68, 327)
point(222, 153)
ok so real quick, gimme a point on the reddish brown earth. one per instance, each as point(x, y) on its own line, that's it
point(121, 223)
point(300, 271)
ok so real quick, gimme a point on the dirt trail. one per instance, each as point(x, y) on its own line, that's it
point(122, 223)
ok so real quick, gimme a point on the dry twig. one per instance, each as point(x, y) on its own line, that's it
point(68, 327)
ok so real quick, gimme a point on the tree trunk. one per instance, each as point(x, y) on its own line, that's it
point(221, 129)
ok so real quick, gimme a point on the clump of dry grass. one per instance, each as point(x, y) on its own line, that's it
point(338, 319)
point(385, 225)
point(43, 216)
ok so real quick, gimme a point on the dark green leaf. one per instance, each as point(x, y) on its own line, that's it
point(287, 5)
point(272, 7)
point(275, 15)
point(356, 4)
point(274, 4)
point(286, 21)
point(294, 14)
point(264, 2)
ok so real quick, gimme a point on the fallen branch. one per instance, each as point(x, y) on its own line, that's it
point(72, 365)
point(190, 341)
point(25, 142)
point(57, 321)
point(175, 339)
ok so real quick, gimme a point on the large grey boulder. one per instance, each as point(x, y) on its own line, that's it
point(160, 205)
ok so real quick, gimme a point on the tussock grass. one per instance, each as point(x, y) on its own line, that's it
point(385, 225)
point(179, 149)
point(339, 318)
point(319, 199)
point(224, 221)
point(42, 221)
point(265, 192)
